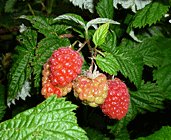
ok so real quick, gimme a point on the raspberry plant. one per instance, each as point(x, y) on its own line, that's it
point(71, 72)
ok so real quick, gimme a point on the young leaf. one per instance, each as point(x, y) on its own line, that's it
point(163, 134)
point(110, 43)
point(147, 98)
point(108, 63)
point(45, 48)
point(84, 4)
point(100, 34)
point(52, 119)
point(45, 25)
point(105, 9)
point(2, 101)
point(99, 21)
point(163, 77)
point(72, 17)
point(150, 14)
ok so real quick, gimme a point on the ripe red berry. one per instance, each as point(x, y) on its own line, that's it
point(117, 102)
point(65, 65)
point(91, 91)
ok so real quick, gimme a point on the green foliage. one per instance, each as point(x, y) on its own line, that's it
point(2, 101)
point(163, 134)
point(100, 34)
point(150, 14)
point(9, 6)
point(105, 9)
point(52, 119)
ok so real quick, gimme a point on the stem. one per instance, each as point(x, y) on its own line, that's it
point(30, 8)
point(49, 6)
point(82, 45)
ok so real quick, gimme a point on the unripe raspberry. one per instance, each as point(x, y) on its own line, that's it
point(65, 65)
point(48, 88)
point(117, 102)
point(91, 91)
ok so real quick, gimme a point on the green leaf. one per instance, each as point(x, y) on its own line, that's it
point(19, 73)
point(28, 39)
point(20, 70)
point(108, 63)
point(131, 65)
point(52, 119)
point(9, 6)
point(163, 77)
point(45, 25)
point(110, 43)
point(84, 4)
point(100, 21)
point(100, 34)
point(72, 17)
point(163, 134)
point(149, 49)
point(150, 14)
point(147, 98)
point(105, 9)
point(2, 101)
point(45, 48)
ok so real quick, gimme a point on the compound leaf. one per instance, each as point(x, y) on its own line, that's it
point(108, 63)
point(52, 119)
point(150, 14)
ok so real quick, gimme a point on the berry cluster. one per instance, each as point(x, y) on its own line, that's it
point(62, 72)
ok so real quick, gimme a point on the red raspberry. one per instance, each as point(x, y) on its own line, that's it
point(117, 102)
point(65, 65)
point(91, 91)
point(49, 89)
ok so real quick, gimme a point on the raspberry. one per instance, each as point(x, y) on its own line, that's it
point(65, 65)
point(91, 91)
point(117, 102)
point(48, 88)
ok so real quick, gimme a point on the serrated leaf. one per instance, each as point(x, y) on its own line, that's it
point(147, 98)
point(9, 6)
point(2, 101)
point(131, 66)
point(108, 63)
point(133, 4)
point(105, 9)
point(45, 25)
point(149, 49)
point(45, 48)
point(100, 34)
point(100, 21)
point(52, 119)
point(163, 77)
point(163, 134)
point(110, 43)
point(72, 17)
point(28, 39)
point(18, 75)
point(150, 14)
point(84, 4)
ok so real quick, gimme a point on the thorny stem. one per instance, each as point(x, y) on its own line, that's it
point(82, 45)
